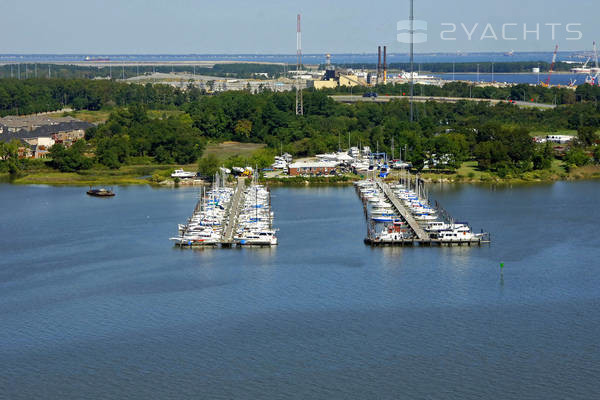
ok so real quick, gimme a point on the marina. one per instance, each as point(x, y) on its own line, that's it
point(400, 214)
point(228, 217)
point(397, 213)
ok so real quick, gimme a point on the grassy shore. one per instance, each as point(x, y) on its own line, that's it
point(225, 150)
point(128, 175)
point(469, 173)
point(155, 174)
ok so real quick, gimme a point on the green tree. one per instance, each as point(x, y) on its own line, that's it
point(597, 155)
point(72, 159)
point(9, 155)
point(243, 128)
point(587, 135)
point(577, 156)
point(208, 166)
point(262, 158)
point(543, 156)
point(113, 152)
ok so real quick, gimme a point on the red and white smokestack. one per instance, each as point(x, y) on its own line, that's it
point(378, 62)
point(385, 65)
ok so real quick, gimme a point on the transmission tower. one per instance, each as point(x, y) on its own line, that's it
point(299, 100)
point(412, 60)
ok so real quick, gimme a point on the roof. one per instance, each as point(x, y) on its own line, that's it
point(46, 131)
point(313, 165)
point(13, 121)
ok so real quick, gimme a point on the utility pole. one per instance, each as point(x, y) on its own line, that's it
point(412, 59)
point(299, 100)
point(453, 70)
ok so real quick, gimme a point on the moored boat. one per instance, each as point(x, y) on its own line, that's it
point(102, 192)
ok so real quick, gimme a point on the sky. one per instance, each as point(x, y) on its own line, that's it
point(269, 26)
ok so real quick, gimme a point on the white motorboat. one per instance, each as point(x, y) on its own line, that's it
point(259, 238)
point(457, 234)
point(179, 173)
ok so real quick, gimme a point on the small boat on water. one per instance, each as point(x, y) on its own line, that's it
point(102, 192)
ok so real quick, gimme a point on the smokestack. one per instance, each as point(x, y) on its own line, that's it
point(384, 64)
point(379, 62)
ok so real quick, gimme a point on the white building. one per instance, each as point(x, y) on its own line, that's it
point(561, 139)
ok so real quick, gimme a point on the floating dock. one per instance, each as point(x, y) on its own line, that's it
point(401, 227)
point(230, 217)
point(234, 211)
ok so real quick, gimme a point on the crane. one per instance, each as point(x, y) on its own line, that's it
point(552, 66)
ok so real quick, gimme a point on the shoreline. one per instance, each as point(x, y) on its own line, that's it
point(74, 179)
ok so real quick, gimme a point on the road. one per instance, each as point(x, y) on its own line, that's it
point(385, 99)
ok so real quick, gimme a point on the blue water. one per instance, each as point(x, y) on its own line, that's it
point(344, 58)
point(96, 303)
point(532, 79)
point(358, 58)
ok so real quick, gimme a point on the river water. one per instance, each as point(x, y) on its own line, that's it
point(563, 79)
point(96, 303)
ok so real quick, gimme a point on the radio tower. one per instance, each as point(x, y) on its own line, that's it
point(299, 100)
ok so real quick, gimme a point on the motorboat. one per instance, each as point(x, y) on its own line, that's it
point(102, 192)
point(179, 173)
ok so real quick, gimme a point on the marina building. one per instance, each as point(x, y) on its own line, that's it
point(312, 168)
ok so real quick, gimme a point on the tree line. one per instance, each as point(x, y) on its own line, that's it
point(498, 136)
point(20, 97)
point(59, 71)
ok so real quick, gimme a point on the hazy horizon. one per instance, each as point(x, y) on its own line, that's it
point(269, 26)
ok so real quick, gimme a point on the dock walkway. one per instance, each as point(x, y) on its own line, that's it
point(234, 210)
point(406, 215)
